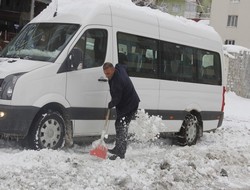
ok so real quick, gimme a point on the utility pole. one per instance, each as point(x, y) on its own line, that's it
point(32, 8)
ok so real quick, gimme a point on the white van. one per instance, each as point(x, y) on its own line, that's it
point(52, 83)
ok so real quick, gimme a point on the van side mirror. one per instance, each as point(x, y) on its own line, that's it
point(75, 59)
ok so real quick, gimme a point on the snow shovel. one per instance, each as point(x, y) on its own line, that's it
point(99, 146)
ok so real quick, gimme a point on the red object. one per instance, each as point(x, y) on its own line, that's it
point(223, 99)
point(100, 151)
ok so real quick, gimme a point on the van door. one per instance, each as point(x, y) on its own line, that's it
point(87, 88)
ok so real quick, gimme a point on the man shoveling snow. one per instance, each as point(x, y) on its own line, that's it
point(126, 101)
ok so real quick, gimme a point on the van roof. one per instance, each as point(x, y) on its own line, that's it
point(128, 17)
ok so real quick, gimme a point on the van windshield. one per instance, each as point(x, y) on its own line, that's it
point(40, 41)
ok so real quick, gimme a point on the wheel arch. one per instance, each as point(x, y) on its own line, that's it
point(54, 102)
point(51, 99)
point(53, 106)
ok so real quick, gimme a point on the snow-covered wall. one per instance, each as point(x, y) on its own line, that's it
point(238, 70)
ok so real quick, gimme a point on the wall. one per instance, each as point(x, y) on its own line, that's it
point(238, 78)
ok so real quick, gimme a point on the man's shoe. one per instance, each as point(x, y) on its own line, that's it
point(112, 151)
point(114, 156)
point(115, 153)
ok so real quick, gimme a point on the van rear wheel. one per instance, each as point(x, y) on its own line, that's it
point(189, 132)
point(48, 131)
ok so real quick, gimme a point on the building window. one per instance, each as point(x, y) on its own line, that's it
point(235, 1)
point(230, 42)
point(232, 20)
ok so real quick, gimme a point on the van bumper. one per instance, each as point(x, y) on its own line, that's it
point(15, 121)
point(220, 119)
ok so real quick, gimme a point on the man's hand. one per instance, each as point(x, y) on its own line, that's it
point(110, 105)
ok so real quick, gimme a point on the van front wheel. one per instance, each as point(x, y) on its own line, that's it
point(48, 131)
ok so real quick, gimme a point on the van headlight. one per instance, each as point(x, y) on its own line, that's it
point(7, 87)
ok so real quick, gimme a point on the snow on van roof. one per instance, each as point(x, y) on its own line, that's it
point(74, 8)
point(76, 11)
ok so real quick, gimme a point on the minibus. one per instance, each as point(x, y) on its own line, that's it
point(53, 89)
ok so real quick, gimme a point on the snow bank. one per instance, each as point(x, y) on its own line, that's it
point(220, 160)
point(235, 49)
point(236, 107)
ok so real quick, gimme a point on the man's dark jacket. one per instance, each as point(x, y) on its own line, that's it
point(123, 94)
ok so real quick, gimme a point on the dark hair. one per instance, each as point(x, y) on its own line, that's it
point(107, 65)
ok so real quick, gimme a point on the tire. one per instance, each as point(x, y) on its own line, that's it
point(189, 132)
point(48, 131)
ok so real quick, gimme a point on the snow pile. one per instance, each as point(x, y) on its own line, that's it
point(205, 22)
point(56, 7)
point(235, 49)
point(145, 128)
point(237, 108)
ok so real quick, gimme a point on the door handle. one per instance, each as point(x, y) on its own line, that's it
point(102, 79)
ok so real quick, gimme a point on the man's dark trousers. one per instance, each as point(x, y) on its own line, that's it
point(121, 127)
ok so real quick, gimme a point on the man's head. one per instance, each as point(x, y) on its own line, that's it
point(108, 69)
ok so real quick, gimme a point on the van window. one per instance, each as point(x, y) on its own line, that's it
point(177, 62)
point(41, 41)
point(168, 61)
point(139, 53)
point(93, 45)
point(209, 67)
point(188, 64)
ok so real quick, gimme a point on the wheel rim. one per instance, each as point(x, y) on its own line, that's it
point(191, 130)
point(50, 133)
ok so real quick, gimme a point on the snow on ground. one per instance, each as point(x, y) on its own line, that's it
point(220, 160)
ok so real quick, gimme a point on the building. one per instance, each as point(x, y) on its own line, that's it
point(192, 9)
point(230, 19)
point(14, 14)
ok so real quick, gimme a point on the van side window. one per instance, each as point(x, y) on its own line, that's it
point(91, 48)
point(139, 53)
point(188, 64)
point(151, 58)
point(209, 67)
point(177, 62)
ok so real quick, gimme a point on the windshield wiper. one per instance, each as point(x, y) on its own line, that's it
point(18, 57)
point(12, 56)
point(27, 57)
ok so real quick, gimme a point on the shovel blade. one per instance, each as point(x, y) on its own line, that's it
point(100, 151)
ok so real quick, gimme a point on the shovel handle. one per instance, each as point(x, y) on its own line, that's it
point(105, 129)
point(107, 115)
